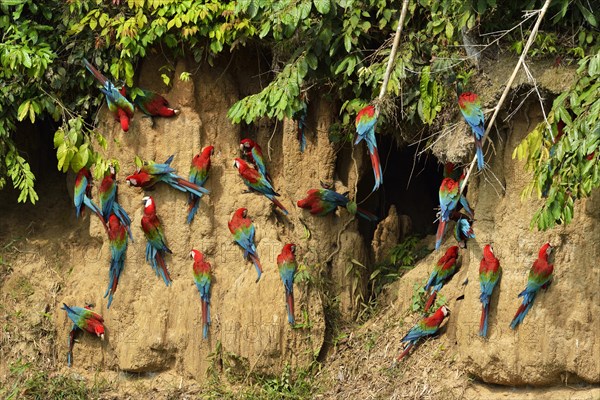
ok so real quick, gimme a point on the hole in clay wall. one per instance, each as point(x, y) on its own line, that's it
point(35, 142)
point(417, 200)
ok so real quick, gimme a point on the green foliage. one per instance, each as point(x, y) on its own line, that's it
point(419, 299)
point(564, 156)
point(340, 47)
point(401, 259)
point(287, 385)
point(26, 382)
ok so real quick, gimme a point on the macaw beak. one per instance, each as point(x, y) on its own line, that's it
point(102, 336)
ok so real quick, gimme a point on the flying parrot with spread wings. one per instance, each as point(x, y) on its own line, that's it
point(366, 119)
point(286, 261)
point(253, 153)
point(150, 174)
point(107, 193)
point(321, 202)
point(242, 229)
point(118, 105)
point(540, 277)
point(202, 278)
point(156, 245)
point(489, 275)
point(198, 176)
point(426, 327)
point(443, 271)
point(257, 182)
point(117, 242)
point(470, 107)
point(83, 319)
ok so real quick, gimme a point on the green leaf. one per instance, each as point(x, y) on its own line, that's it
point(23, 110)
point(322, 6)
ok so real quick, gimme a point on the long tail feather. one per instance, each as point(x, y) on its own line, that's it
point(97, 74)
point(92, 206)
point(257, 265)
point(376, 164)
point(366, 214)
point(278, 204)
point(440, 233)
point(479, 153)
point(205, 320)
point(164, 272)
point(197, 190)
point(290, 307)
point(483, 323)
point(520, 315)
point(431, 300)
point(194, 204)
point(405, 352)
point(301, 138)
point(124, 218)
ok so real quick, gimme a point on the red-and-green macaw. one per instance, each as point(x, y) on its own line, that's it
point(153, 104)
point(117, 242)
point(489, 275)
point(83, 319)
point(443, 271)
point(118, 105)
point(540, 277)
point(198, 175)
point(253, 153)
point(321, 202)
point(82, 194)
point(470, 107)
point(286, 261)
point(462, 229)
point(300, 118)
point(156, 245)
point(150, 174)
point(243, 234)
point(83, 188)
point(107, 194)
point(426, 327)
point(449, 195)
point(202, 278)
point(366, 119)
point(257, 182)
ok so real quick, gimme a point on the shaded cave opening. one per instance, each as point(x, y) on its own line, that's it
point(35, 143)
point(410, 183)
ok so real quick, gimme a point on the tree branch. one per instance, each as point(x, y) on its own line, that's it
point(508, 87)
